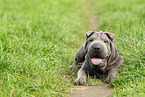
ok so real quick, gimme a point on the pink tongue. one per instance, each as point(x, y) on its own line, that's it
point(96, 61)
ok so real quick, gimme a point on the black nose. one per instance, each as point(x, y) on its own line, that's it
point(97, 48)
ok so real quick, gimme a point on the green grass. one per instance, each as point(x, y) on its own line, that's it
point(39, 38)
point(38, 41)
point(125, 18)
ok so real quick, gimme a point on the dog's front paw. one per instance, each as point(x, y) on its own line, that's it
point(109, 79)
point(72, 67)
point(80, 81)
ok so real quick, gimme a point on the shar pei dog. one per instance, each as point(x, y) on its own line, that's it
point(99, 56)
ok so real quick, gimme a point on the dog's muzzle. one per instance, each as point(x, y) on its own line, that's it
point(98, 49)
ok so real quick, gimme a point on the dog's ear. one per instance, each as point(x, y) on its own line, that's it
point(89, 33)
point(110, 35)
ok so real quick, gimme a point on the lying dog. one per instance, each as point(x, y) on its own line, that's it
point(99, 57)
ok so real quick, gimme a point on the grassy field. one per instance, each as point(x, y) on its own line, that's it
point(38, 41)
point(125, 18)
point(39, 38)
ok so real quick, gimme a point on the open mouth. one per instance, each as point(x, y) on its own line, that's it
point(96, 61)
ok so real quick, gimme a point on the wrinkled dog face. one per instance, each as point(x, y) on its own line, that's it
point(98, 44)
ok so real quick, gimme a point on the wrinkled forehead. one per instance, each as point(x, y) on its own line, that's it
point(99, 36)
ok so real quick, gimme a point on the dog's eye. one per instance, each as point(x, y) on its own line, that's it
point(105, 41)
point(90, 40)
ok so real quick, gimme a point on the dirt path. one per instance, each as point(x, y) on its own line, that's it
point(91, 91)
point(93, 23)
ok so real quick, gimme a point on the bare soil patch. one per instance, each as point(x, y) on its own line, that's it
point(91, 91)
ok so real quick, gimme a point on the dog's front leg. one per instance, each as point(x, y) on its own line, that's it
point(80, 57)
point(82, 75)
point(111, 74)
